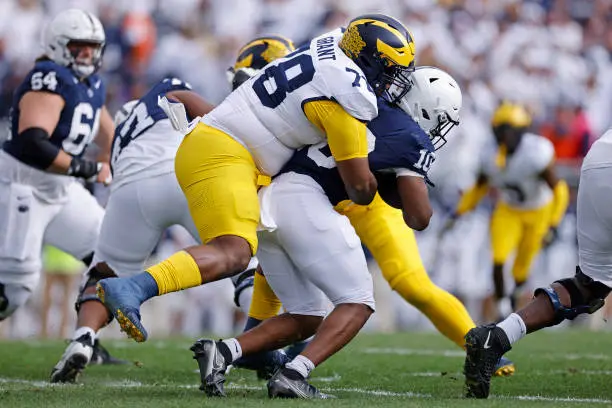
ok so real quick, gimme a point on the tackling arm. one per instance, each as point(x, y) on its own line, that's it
point(194, 104)
point(347, 141)
point(415, 201)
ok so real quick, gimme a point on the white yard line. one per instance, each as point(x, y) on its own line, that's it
point(458, 353)
point(353, 390)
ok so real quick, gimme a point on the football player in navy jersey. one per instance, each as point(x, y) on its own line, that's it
point(57, 111)
point(305, 272)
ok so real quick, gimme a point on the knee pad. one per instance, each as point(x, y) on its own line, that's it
point(245, 280)
point(94, 275)
point(586, 296)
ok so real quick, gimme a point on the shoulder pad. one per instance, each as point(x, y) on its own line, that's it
point(541, 151)
point(48, 76)
point(346, 84)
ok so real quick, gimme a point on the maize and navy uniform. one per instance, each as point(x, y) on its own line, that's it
point(38, 207)
point(395, 142)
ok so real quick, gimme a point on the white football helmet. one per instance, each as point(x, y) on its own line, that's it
point(123, 112)
point(74, 25)
point(434, 102)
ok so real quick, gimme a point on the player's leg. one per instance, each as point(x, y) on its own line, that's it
point(536, 224)
point(23, 219)
point(564, 299)
point(75, 229)
point(506, 232)
point(219, 179)
point(303, 298)
point(393, 245)
point(336, 249)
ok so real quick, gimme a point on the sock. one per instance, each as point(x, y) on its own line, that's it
point(233, 347)
point(147, 285)
point(178, 272)
point(84, 330)
point(514, 327)
point(264, 303)
point(302, 365)
point(250, 323)
point(296, 348)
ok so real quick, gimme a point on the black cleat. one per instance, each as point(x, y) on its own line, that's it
point(74, 360)
point(287, 383)
point(485, 345)
point(212, 367)
point(102, 356)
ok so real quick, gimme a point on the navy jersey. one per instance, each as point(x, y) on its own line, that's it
point(398, 143)
point(145, 142)
point(145, 114)
point(79, 120)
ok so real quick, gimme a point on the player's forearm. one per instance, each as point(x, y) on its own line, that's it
point(560, 202)
point(471, 198)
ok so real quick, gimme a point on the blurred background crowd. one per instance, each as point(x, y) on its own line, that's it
point(552, 55)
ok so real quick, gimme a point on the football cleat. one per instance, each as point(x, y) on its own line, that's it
point(485, 345)
point(504, 368)
point(118, 296)
point(212, 367)
point(287, 383)
point(74, 360)
point(102, 356)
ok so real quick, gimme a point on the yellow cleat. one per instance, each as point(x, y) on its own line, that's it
point(504, 368)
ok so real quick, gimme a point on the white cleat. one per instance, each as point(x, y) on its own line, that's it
point(74, 360)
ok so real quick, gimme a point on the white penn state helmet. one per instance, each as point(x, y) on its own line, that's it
point(74, 25)
point(123, 112)
point(434, 102)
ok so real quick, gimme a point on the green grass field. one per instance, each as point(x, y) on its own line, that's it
point(554, 368)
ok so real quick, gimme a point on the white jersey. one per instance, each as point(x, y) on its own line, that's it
point(145, 142)
point(594, 215)
point(519, 181)
point(266, 114)
point(600, 154)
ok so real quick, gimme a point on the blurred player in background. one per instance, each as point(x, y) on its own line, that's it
point(323, 91)
point(57, 112)
point(565, 298)
point(145, 200)
point(533, 200)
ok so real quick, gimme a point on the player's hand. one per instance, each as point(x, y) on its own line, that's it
point(104, 175)
point(551, 236)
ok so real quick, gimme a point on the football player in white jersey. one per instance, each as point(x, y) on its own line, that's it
point(316, 257)
point(323, 91)
point(146, 196)
point(57, 111)
point(565, 298)
point(533, 200)
point(145, 200)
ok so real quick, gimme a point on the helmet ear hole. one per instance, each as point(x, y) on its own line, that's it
point(425, 114)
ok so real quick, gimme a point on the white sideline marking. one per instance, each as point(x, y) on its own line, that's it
point(383, 393)
point(459, 353)
point(413, 352)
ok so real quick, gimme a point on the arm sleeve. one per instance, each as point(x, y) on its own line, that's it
point(346, 136)
point(560, 202)
point(471, 198)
